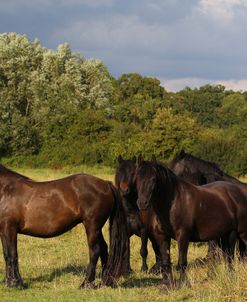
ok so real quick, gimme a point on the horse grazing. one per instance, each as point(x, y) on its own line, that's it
point(170, 207)
point(47, 209)
point(199, 171)
point(124, 181)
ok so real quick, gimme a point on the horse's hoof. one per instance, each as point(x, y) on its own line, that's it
point(87, 285)
point(167, 287)
point(144, 269)
point(183, 282)
point(155, 270)
point(16, 284)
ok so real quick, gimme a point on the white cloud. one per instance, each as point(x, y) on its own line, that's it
point(180, 83)
point(221, 10)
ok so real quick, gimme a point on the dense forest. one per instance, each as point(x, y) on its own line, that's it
point(57, 108)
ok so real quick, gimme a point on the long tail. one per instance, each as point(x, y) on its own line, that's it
point(119, 243)
point(242, 252)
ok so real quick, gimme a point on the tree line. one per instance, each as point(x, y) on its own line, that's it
point(58, 108)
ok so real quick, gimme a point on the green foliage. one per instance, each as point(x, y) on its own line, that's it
point(169, 134)
point(58, 109)
point(233, 111)
point(40, 89)
point(202, 102)
point(129, 85)
point(223, 147)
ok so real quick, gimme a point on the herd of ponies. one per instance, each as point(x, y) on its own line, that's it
point(189, 200)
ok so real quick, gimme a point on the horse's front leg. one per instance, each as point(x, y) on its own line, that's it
point(9, 243)
point(164, 244)
point(144, 250)
point(93, 237)
point(183, 244)
point(156, 268)
point(166, 262)
point(103, 251)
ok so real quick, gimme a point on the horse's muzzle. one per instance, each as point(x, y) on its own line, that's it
point(143, 204)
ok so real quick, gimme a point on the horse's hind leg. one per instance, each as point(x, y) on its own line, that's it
point(9, 242)
point(228, 247)
point(183, 244)
point(93, 237)
point(144, 250)
point(103, 251)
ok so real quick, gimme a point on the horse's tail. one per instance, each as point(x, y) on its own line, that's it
point(242, 252)
point(119, 242)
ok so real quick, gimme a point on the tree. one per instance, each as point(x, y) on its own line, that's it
point(169, 134)
point(202, 102)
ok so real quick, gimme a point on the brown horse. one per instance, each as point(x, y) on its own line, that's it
point(124, 180)
point(200, 172)
point(48, 209)
point(173, 208)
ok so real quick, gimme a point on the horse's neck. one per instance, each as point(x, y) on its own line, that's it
point(231, 179)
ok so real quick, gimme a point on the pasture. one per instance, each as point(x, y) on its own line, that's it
point(54, 268)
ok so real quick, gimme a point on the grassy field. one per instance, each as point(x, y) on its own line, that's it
point(54, 268)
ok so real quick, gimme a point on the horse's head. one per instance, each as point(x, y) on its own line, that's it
point(146, 182)
point(179, 164)
point(125, 173)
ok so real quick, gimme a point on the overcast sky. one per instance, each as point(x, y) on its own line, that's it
point(180, 42)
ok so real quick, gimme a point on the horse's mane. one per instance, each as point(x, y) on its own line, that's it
point(205, 165)
point(164, 172)
point(5, 170)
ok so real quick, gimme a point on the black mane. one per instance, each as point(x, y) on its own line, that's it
point(5, 170)
point(206, 166)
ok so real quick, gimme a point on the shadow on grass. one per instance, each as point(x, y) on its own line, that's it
point(141, 282)
point(75, 269)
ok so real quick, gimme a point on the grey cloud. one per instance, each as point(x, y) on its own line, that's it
point(163, 38)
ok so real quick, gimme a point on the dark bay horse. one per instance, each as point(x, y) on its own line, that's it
point(199, 171)
point(47, 209)
point(124, 181)
point(170, 207)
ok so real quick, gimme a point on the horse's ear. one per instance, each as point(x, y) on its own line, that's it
point(120, 159)
point(140, 159)
point(153, 160)
point(134, 159)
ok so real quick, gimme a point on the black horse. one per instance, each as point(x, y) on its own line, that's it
point(173, 208)
point(48, 209)
point(200, 172)
point(124, 180)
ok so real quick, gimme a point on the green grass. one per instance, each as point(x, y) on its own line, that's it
point(54, 268)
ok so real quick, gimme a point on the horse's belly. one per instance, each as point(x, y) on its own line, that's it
point(48, 230)
point(212, 229)
point(48, 224)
